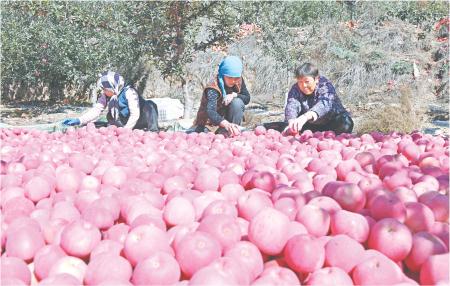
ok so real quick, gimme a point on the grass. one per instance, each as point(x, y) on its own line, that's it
point(404, 116)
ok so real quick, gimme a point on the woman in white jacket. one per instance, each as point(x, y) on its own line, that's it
point(126, 108)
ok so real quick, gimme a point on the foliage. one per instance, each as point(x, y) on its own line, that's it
point(422, 13)
point(60, 44)
point(63, 45)
point(402, 67)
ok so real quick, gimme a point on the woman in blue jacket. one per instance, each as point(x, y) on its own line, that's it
point(126, 108)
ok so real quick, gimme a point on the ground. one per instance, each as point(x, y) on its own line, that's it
point(28, 114)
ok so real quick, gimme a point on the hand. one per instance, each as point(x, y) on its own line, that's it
point(72, 121)
point(228, 98)
point(296, 125)
point(287, 132)
point(233, 129)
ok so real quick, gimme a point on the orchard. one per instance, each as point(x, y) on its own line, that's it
point(111, 206)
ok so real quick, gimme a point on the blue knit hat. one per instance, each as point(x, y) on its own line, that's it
point(230, 66)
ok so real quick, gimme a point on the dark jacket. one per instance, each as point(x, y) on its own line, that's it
point(324, 102)
point(212, 109)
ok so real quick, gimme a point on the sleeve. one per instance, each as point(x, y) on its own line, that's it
point(94, 112)
point(244, 94)
point(326, 97)
point(133, 105)
point(211, 107)
point(293, 107)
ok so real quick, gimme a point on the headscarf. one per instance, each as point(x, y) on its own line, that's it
point(112, 81)
point(230, 66)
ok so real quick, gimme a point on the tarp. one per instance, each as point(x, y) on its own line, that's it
point(168, 108)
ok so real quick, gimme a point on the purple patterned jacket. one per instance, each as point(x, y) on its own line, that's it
point(324, 102)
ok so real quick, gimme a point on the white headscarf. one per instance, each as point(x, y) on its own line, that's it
point(111, 80)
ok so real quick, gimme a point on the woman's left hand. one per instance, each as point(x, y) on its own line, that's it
point(228, 98)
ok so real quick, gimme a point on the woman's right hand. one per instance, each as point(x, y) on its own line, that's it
point(295, 125)
point(71, 121)
point(233, 129)
point(228, 98)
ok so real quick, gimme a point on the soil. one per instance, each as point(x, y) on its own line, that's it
point(33, 113)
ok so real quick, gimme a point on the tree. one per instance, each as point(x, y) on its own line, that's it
point(192, 28)
point(66, 44)
point(61, 44)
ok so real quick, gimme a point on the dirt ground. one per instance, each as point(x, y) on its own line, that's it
point(26, 114)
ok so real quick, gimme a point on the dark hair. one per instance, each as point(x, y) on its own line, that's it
point(306, 69)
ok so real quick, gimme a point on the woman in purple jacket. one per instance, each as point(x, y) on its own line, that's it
point(313, 104)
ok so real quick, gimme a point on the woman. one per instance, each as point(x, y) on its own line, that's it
point(224, 99)
point(125, 107)
point(314, 105)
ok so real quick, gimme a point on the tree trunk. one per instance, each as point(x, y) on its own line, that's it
point(187, 100)
point(288, 79)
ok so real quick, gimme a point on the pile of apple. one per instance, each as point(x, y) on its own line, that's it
point(111, 206)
